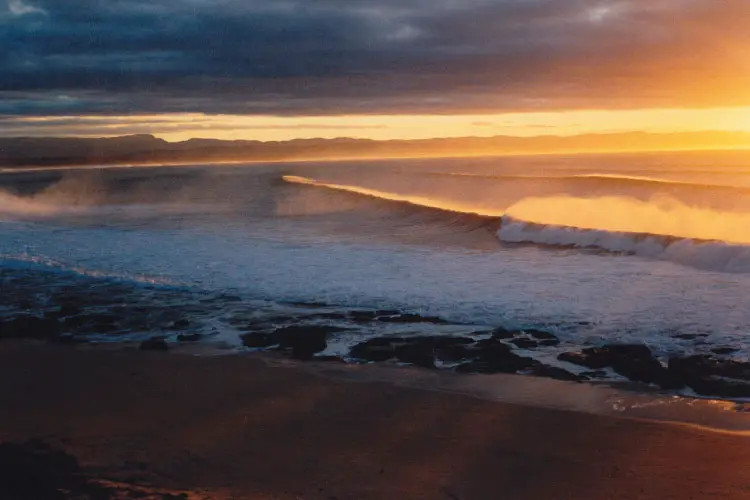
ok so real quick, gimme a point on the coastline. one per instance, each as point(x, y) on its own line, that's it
point(248, 426)
point(11, 169)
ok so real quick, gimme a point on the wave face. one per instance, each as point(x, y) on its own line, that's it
point(415, 200)
point(715, 251)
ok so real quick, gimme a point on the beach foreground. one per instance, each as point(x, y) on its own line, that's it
point(157, 425)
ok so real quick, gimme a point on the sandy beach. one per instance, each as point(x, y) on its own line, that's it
point(160, 425)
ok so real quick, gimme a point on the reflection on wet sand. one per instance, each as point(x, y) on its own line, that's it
point(238, 428)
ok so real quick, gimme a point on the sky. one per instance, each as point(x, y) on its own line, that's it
point(382, 69)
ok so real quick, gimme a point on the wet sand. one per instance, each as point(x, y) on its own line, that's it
point(234, 427)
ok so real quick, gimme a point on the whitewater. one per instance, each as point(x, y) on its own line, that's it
point(649, 249)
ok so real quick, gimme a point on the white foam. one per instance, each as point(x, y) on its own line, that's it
point(709, 255)
point(582, 298)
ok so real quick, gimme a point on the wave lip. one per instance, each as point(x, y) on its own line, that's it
point(414, 200)
point(711, 255)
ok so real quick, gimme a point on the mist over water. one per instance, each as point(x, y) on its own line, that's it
point(659, 216)
point(593, 248)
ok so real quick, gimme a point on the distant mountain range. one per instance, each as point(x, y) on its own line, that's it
point(147, 149)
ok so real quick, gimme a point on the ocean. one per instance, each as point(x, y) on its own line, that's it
point(590, 250)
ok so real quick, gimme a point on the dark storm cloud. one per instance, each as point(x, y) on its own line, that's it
point(369, 56)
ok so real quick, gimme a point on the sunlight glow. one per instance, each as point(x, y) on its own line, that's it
point(659, 216)
point(183, 126)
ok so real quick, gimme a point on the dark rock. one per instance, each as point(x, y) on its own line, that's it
point(524, 343)
point(540, 335)
point(444, 341)
point(418, 353)
point(455, 353)
point(262, 323)
point(189, 337)
point(704, 365)
point(492, 356)
point(74, 322)
point(723, 351)
point(258, 340)
point(480, 332)
point(689, 336)
point(136, 324)
point(180, 324)
point(555, 373)
point(64, 311)
point(632, 361)
point(154, 345)
point(608, 355)
point(51, 315)
point(721, 388)
point(411, 318)
point(329, 359)
point(303, 341)
point(331, 316)
point(502, 333)
point(549, 343)
point(452, 349)
point(594, 374)
point(221, 298)
point(69, 310)
point(583, 359)
point(26, 305)
point(711, 376)
point(364, 316)
point(377, 349)
point(97, 322)
point(386, 312)
point(311, 305)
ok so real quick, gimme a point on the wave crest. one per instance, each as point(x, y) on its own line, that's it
point(662, 229)
point(709, 255)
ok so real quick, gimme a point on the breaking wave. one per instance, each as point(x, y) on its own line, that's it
point(520, 224)
point(711, 255)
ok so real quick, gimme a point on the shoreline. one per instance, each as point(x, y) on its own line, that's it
point(604, 398)
point(61, 306)
point(248, 426)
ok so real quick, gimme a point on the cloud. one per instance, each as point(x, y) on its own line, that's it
point(328, 57)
